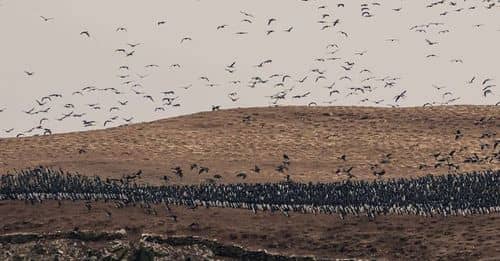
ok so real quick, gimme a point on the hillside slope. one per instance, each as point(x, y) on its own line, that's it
point(231, 141)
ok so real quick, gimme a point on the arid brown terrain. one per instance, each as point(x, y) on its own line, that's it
point(313, 137)
point(231, 141)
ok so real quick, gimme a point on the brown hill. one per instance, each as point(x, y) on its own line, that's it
point(313, 137)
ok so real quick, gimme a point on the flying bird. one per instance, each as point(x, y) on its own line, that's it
point(400, 96)
point(429, 42)
point(86, 33)
point(471, 80)
point(186, 39)
point(487, 80)
point(134, 45)
point(46, 19)
point(458, 134)
point(241, 175)
point(246, 14)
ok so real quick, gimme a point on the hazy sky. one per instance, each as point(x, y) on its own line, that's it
point(63, 61)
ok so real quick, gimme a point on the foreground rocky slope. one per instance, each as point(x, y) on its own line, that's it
point(90, 245)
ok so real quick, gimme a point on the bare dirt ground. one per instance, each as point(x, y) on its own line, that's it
point(313, 138)
point(324, 236)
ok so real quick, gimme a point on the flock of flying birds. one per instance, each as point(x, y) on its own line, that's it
point(341, 75)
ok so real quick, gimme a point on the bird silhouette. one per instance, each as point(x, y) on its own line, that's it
point(241, 175)
point(133, 45)
point(186, 39)
point(46, 19)
point(400, 96)
point(429, 42)
point(85, 33)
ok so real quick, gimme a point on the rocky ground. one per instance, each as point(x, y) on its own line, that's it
point(119, 245)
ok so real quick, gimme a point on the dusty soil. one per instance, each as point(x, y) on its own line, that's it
point(313, 138)
point(391, 237)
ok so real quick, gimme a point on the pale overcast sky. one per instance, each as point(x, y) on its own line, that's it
point(465, 40)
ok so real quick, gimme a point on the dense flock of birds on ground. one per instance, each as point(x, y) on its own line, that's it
point(452, 194)
point(341, 74)
point(336, 74)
